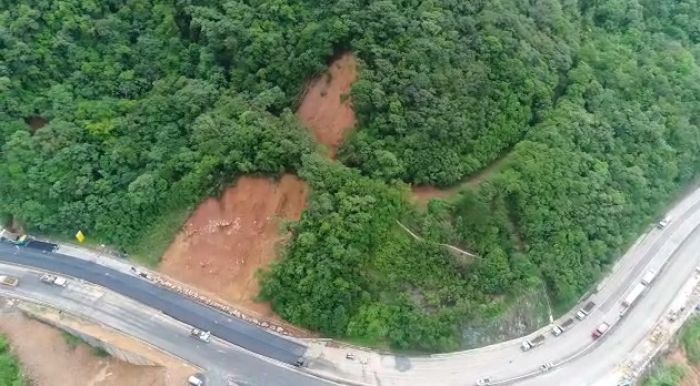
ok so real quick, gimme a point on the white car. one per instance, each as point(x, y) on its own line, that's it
point(204, 336)
point(664, 223)
point(483, 381)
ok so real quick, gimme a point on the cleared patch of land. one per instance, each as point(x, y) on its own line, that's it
point(227, 240)
point(326, 108)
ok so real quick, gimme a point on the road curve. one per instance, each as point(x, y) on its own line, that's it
point(179, 307)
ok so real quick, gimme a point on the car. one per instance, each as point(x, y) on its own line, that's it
point(196, 380)
point(204, 336)
point(483, 381)
point(664, 223)
point(350, 356)
point(546, 366)
point(299, 362)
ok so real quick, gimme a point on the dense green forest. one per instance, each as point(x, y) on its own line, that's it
point(10, 372)
point(114, 114)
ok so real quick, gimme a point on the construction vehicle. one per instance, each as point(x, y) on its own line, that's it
point(22, 240)
point(648, 277)
point(9, 281)
point(600, 330)
point(53, 279)
point(13, 238)
point(204, 336)
point(585, 311)
point(532, 343)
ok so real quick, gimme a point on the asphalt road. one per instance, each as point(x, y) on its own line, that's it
point(179, 307)
point(220, 360)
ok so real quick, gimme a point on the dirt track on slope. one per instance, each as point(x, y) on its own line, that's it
point(227, 240)
point(326, 108)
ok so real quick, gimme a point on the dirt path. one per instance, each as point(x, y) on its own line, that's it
point(49, 361)
point(227, 240)
point(326, 108)
point(424, 193)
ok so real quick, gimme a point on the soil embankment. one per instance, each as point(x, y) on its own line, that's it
point(326, 108)
point(227, 240)
point(48, 360)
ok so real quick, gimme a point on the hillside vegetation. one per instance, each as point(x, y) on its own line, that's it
point(153, 104)
point(10, 371)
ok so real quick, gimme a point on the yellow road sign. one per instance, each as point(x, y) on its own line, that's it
point(80, 236)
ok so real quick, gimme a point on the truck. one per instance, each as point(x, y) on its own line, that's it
point(560, 328)
point(585, 311)
point(600, 330)
point(631, 297)
point(648, 277)
point(53, 279)
point(532, 343)
point(9, 281)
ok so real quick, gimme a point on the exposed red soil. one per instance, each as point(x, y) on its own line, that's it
point(326, 108)
point(227, 240)
point(47, 360)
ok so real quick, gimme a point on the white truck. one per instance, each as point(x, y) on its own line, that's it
point(648, 277)
point(53, 279)
point(632, 297)
point(9, 281)
point(560, 328)
point(585, 311)
point(532, 343)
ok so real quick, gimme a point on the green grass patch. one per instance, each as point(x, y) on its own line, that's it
point(153, 243)
point(665, 375)
point(10, 370)
point(100, 352)
point(71, 340)
point(690, 339)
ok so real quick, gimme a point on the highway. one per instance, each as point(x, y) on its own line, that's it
point(577, 358)
point(220, 360)
point(170, 303)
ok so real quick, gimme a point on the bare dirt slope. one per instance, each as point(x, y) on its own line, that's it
point(326, 108)
point(227, 240)
point(49, 361)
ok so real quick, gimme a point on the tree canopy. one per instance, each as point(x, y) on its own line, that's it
point(115, 114)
